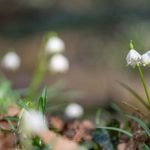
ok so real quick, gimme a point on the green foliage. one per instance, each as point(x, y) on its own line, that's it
point(103, 136)
point(38, 145)
point(141, 123)
point(98, 117)
point(9, 120)
point(118, 130)
point(7, 96)
point(22, 104)
point(134, 93)
point(146, 147)
point(42, 101)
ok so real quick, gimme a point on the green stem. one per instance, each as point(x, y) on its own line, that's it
point(37, 78)
point(144, 83)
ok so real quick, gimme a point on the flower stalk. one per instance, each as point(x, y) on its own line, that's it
point(144, 83)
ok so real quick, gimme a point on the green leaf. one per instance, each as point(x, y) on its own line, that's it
point(97, 118)
point(134, 94)
point(12, 118)
point(40, 104)
point(42, 101)
point(141, 123)
point(36, 141)
point(44, 94)
point(11, 125)
point(22, 104)
point(118, 130)
point(146, 147)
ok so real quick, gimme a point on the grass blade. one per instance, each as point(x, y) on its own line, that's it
point(11, 125)
point(97, 118)
point(134, 94)
point(146, 147)
point(141, 123)
point(42, 101)
point(118, 130)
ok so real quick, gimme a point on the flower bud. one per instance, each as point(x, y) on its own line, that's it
point(55, 45)
point(11, 61)
point(74, 110)
point(58, 64)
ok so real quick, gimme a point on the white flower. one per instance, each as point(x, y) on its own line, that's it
point(55, 45)
point(133, 58)
point(33, 122)
point(145, 59)
point(74, 111)
point(11, 61)
point(58, 64)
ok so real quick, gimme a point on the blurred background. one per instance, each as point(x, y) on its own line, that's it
point(96, 34)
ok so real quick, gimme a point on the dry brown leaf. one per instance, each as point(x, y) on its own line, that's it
point(57, 142)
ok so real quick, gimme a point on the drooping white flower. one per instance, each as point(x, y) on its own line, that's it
point(11, 61)
point(145, 59)
point(58, 64)
point(55, 45)
point(74, 110)
point(133, 58)
point(33, 122)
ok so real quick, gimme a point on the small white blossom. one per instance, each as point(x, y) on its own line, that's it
point(11, 61)
point(58, 64)
point(145, 59)
point(133, 58)
point(74, 110)
point(33, 122)
point(55, 45)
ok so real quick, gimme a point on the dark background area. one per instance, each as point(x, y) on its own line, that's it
point(24, 17)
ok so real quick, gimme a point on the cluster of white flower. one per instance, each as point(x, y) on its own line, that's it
point(58, 63)
point(11, 61)
point(134, 58)
point(55, 46)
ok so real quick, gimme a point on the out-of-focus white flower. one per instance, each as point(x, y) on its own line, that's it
point(55, 45)
point(33, 122)
point(11, 61)
point(145, 59)
point(74, 110)
point(133, 58)
point(58, 64)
